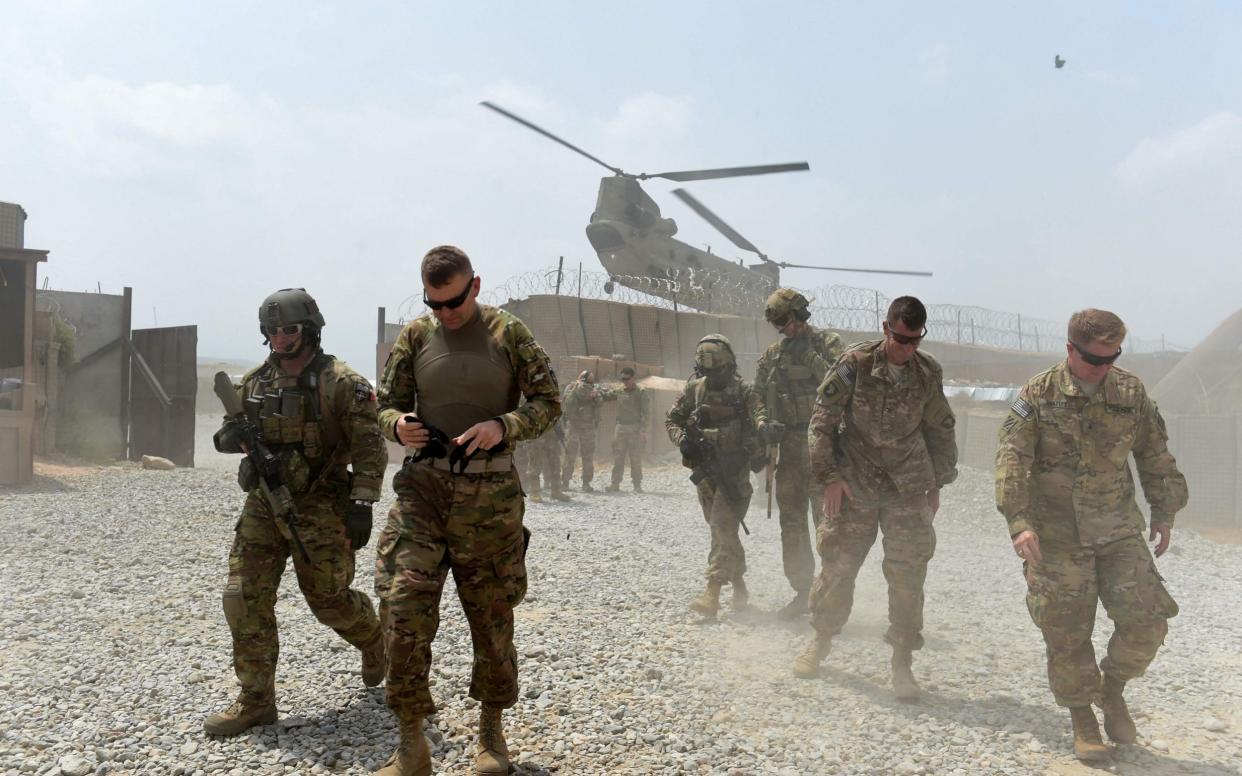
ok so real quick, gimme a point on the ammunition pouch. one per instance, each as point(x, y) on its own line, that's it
point(247, 475)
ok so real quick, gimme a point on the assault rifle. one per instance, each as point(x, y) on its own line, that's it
point(265, 462)
point(707, 462)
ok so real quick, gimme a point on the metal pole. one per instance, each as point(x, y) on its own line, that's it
point(380, 326)
point(972, 331)
point(878, 327)
point(579, 280)
point(560, 271)
point(959, 326)
point(1019, 332)
point(127, 308)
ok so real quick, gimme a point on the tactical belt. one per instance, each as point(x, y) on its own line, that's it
point(499, 463)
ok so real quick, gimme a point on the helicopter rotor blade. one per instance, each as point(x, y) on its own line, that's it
point(787, 265)
point(685, 176)
point(718, 222)
point(550, 136)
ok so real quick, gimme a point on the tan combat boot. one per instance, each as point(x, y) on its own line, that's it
point(904, 685)
point(238, 718)
point(1088, 746)
point(374, 661)
point(741, 596)
point(708, 603)
point(795, 608)
point(412, 756)
point(535, 496)
point(558, 494)
point(1117, 721)
point(806, 665)
point(493, 756)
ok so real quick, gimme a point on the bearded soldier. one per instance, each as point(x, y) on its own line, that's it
point(787, 379)
point(318, 417)
point(882, 448)
point(582, 401)
point(1063, 483)
point(450, 392)
point(716, 423)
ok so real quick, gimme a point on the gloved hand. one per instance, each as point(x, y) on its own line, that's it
point(772, 432)
point(358, 523)
point(691, 451)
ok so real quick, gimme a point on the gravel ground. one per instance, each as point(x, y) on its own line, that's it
point(113, 648)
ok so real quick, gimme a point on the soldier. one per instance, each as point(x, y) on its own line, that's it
point(1063, 483)
point(787, 378)
point(882, 447)
point(582, 401)
point(630, 438)
point(450, 392)
point(545, 461)
point(716, 424)
point(319, 417)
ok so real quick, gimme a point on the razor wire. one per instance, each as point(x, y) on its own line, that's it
point(839, 307)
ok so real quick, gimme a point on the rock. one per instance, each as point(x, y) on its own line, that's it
point(1160, 745)
point(73, 765)
point(157, 463)
point(188, 748)
point(1215, 725)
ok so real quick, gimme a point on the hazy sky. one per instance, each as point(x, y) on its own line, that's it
point(208, 153)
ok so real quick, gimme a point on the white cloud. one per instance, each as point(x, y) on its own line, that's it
point(932, 65)
point(650, 115)
point(1214, 141)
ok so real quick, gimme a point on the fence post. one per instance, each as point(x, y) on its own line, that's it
point(560, 271)
point(878, 327)
point(972, 331)
point(1019, 333)
point(959, 326)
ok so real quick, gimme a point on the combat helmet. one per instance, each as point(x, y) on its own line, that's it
point(784, 302)
point(289, 306)
point(714, 353)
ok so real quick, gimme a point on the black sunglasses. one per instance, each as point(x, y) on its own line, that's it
point(782, 322)
point(288, 329)
point(453, 303)
point(902, 339)
point(1093, 359)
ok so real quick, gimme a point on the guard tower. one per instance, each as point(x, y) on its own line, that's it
point(18, 271)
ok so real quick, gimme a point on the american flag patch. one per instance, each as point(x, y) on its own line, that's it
point(846, 374)
point(1022, 408)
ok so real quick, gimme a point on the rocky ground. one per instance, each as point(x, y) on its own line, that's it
point(113, 648)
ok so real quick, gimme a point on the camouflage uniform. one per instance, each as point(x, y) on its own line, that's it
point(891, 442)
point(582, 402)
point(469, 523)
point(788, 377)
point(633, 415)
point(332, 426)
point(544, 466)
point(1062, 471)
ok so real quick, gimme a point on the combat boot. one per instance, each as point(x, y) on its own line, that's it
point(795, 608)
point(638, 487)
point(493, 755)
point(586, 488)
point(806, 665)
point(238, 718)
point(560, 495)
point(374, 661)
point(904, 686)
point(535, 497)
point(613, 488)
point(1088, 746)
point(708, 603)
point(741, 596)
point(413, 755)
point(1117, 721)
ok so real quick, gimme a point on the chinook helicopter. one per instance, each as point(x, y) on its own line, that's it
point(636, 245)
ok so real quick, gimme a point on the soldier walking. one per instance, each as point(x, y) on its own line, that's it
point(716, 423)
point(629, 441)
point(582, 402)
point(319, 417)
point(1063, 483)
point(882, 447)
point(787, 379)
point(450, 392)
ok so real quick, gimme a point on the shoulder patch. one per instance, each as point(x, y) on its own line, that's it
point(363, 392)
point(1022, 408)
point(846, 372)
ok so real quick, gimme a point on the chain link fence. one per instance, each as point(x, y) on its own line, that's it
point(833, 306)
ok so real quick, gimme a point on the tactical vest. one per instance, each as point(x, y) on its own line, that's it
point(629, 407)
point(721, 417)
point(797, 376)
point(463, 378)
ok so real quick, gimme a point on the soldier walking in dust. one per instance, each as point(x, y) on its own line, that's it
point(319, 417)
point(582, 401)
point(629, 441)
point(1063, 483)
point(544, 466)
point(716, 423)
point(787, 379)
point(450, 392)
point(882, 448)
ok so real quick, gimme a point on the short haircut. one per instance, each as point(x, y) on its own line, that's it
point(909, 310)
point(627, 371)
point(1091, 325)
point(444, 262)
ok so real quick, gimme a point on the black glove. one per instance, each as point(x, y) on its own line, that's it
point(772, 432)
point(358, 523)
point(691, 451)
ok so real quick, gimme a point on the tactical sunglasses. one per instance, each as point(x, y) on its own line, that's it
point(288, 329)
point(781, 322)
point(1093, 359)
point(453, 303)
point(902, 339)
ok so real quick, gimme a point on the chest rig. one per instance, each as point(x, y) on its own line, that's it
point(799, 371)
point(286, 409)
point(719, 416)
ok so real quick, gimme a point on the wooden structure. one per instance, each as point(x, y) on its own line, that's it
point(18, 273)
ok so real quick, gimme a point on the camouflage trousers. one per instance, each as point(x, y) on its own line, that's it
point(844, 541)
point(256, 564)
point(1061, 596)
point(470, 524)
point(627, 443)
point(795, 489)
point(726, 558)
point(580, 440)
point(543, 461)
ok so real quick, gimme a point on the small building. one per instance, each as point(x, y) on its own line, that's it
point(18, 279)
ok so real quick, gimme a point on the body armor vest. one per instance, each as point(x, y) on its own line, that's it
point(798, 374)
point(289, 412)
point(463, 378)
point(720, 415)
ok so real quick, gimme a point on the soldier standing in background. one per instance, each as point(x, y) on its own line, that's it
point(450, 392)
point(582, 401)
point(883, 446)
point(544, 465)
point(318, 416)
point(787, 378)
point(1063, 483)
point(630, 439)
point(716, 423)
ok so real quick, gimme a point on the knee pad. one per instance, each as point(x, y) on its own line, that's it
point(233, 601)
